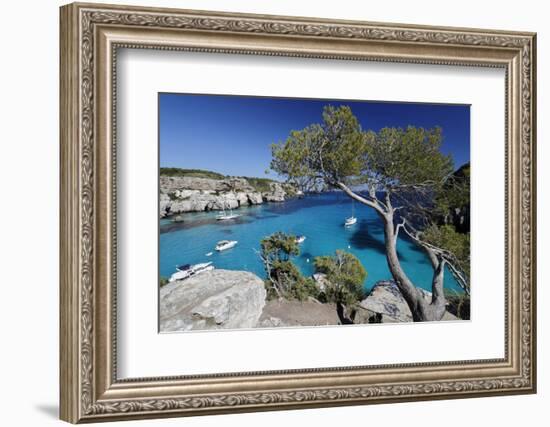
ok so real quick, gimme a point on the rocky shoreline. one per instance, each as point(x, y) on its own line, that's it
point(180, 194)
point(227, 299)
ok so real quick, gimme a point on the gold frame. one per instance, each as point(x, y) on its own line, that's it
point(90, 36)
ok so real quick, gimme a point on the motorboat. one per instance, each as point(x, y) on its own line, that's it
point(300, 239)
point(187, 270)
point(223, 245)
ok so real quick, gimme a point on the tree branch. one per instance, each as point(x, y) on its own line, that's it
point(397, 228)
point(457, 274)
point(371, 203)
point(434, 252)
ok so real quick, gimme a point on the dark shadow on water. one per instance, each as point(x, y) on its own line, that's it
point(363, 237)
point(260, 217)
point(258, 212)
point(404, 239)
point(189, 223)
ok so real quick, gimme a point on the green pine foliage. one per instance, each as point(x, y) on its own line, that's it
point(284, 279)
point(339, 150)
point(404, 166)
point(345, 275)
point(447, 238)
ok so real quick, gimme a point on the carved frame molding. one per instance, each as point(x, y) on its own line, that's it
point(90, 37)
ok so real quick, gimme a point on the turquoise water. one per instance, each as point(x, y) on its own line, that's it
point(319, 217)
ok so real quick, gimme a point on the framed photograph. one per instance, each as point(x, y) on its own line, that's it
point(266, 212)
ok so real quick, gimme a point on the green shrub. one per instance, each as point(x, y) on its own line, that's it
point(261, 185)
point(345, 276)
point(284, 279)
point(457, 244)
point(287, 281)
point(458, 304)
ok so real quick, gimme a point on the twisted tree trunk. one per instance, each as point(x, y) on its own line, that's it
point(422, 310)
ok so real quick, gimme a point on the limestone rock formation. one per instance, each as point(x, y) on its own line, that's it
point(179, 194)
point(385, 304)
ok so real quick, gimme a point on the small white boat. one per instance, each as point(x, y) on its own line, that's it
point(209, 253)
point(187, 270)
point(225, 244)
point(300, 239)
point(224, 216)
point(351, 220)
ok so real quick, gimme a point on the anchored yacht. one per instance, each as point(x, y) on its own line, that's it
point(351, 220)
point(224, 216)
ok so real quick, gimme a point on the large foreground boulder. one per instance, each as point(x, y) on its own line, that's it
point(217, 299)
point(385, 304)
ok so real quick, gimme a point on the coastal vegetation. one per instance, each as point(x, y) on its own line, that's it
point(345, 278)
point(404, 177)
point(458, 304)
point(259, 184)
point(344, 275)
point(284, 279)
point(195, 173)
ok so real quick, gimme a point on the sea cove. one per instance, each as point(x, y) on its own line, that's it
point(319, 217)
point(289, 212)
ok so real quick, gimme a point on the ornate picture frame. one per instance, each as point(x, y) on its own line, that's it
point(90, 37)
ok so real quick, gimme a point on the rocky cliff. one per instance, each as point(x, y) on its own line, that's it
point(179, 194)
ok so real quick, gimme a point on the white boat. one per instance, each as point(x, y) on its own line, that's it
point(225, 244)
point(224, 217)
point(209, 254)
point(300, 239)
point(351, 220)
point(187, 270)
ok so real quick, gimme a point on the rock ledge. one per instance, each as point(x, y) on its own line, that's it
point(217, 299)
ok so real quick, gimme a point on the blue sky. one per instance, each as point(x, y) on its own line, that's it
point(232, 134)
